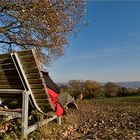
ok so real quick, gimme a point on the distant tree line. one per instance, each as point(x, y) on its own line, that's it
point(92, 89)
point(112, 90)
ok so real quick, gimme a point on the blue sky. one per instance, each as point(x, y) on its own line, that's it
point(108, 49)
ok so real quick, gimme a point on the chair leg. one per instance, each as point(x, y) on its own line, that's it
point(25, 105)
point(59, 120)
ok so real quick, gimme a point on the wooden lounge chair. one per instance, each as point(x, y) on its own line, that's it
point(21, 79)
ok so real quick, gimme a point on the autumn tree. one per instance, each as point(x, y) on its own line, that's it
point(40, 24)
point(75, 84)
point(75, 87)
point(111, 89)
point(88, 88)
point(122, 91)
point(91, 89)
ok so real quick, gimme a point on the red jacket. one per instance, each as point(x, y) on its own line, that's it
point(58, 108)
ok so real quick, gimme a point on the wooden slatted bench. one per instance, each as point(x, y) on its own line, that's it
point(21, 79)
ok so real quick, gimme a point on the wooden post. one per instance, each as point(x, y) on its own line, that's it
point(25, 105)
point(59, 120)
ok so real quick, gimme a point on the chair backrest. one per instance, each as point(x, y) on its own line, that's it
point(9, 78)
point(24, 73)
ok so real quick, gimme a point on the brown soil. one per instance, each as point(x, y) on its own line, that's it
point(107, 121)
point(94, 120)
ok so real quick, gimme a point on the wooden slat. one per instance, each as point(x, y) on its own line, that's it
point(10, 77)
point(10, 69)
point(6, 60)
point(2, 56)
point(33, 76)
point(34, 81)
point(42, 101)
point(10, 81)
point(4, 66)
point(40, 96)
point(38, 91)
point(29, 65)
point(26, 58)
point(24, 52)
point(6, 63)
point(8, 72)
point(45, 106)
point(36, 86)
point(30, 70)
point(7, 82)
point(10, 95)
point(18, 86)
point(11, 91)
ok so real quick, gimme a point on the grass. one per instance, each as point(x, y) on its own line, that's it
point(115, 100)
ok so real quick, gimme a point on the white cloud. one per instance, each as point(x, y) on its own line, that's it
point(134, 35)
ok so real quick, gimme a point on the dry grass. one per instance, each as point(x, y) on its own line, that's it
point(106, 118)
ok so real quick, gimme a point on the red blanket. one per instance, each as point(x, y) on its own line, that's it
point(55, 102)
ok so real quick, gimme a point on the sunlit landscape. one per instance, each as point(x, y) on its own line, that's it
point(69, 70)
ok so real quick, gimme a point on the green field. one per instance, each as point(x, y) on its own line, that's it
point(122, 100)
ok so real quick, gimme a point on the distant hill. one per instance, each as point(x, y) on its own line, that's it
point(132, 84)
point(61, 84)
point(127, 84)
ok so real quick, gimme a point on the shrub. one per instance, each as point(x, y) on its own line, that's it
point(111, 89)
point(88, 88)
